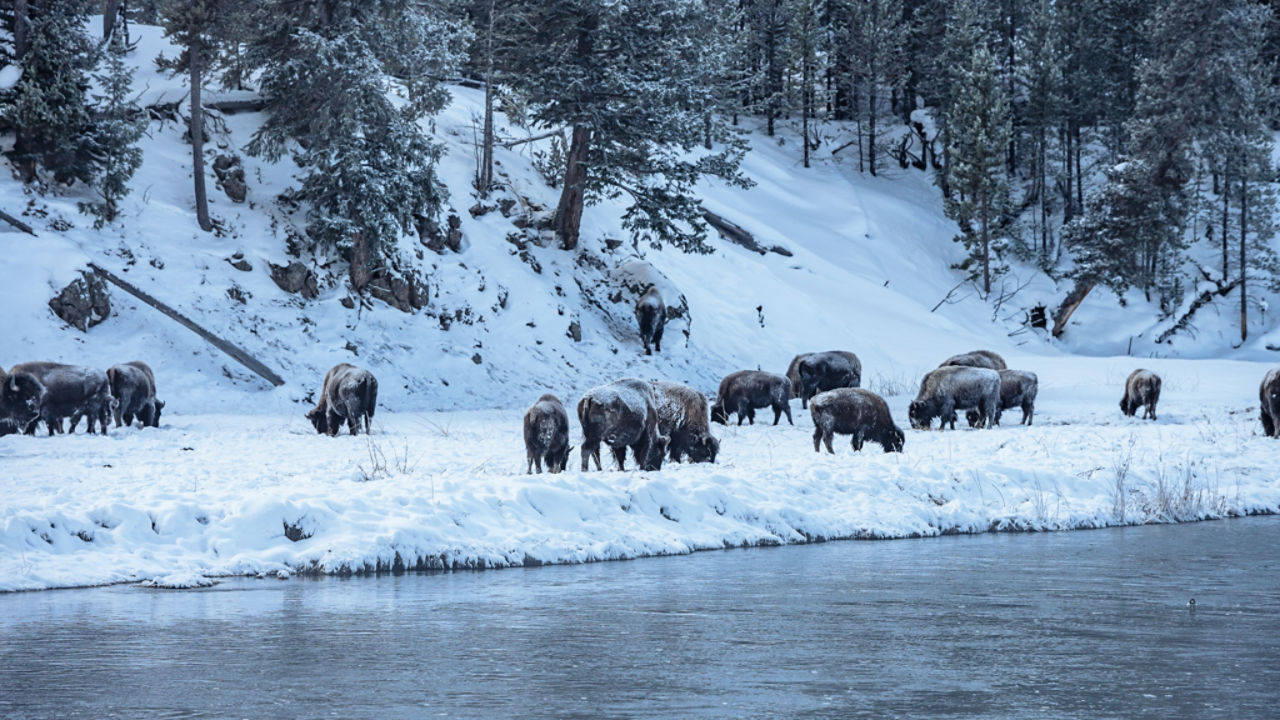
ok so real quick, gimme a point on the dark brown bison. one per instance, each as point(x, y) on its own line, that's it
point(743, 391)
point(651, 313)
point(546, 434)
point(682, 417)
point(977, 358)
point(21, 395)
point(956, 387)
point(1018, 389)
point(348, 393)
point(71, 391)
point(1141, 390)
point(622, 414)
point(827, 371)
point(133, 386)
point(1269, 403)
point(857, 412)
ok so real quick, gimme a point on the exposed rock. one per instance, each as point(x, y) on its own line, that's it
point(296, 278)
point(438, 239)
point(348, 303)
point(505, 205)
point(240, 263)
point(83, 303)
point(230, 175)
point(476, 359)
point(575, 331)
point(404, 293)
point(612, 243)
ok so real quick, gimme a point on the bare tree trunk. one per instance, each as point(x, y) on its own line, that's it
point(197, 138)
point(486, 160)
point(21, 13)
point(1244, 275)
point(1068, 206)
point(986, 245)
point(109, 17)
point(806, 106)
point(871, 124)
point(573, 196)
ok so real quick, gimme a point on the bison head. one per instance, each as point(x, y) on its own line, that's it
point(20, 399)
point(155, 418)
point(893, 440)
point(920, 413)
point(704, 450)
point(718, 412)
point(319, 418)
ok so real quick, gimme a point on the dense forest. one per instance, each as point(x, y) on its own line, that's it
point(1120, 144)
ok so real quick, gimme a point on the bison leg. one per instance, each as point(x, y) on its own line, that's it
point(817, 439)
point(535, 460)
point(1151, 410)
point(590, 449)
point(1268, 425)
point(1028, 410)
point(657, 337)
point(751, 415)
point(334, 423)
point(856, 441)
point(620, 455)
point(827, 436)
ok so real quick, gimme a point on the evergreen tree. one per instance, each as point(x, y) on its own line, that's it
point(979, 139)
point(49, 108)
point(879, 39)
point(1039, 74)
point(329, 73)
point(807, 31)
point(118, 125)
point(625, 77)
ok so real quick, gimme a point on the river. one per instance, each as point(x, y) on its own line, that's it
point(1088, 624)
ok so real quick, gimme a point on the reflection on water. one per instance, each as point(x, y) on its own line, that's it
point(1084, 624)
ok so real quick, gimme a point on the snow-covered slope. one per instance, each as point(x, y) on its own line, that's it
point(235, 464)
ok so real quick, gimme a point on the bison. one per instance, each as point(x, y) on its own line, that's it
point(743, 391)
point(1269, 397)
point(651, 313)
point(956, 387)
point(71, 391)
point(1018, 389)
point(349, 393)
point(682, 417)
point(793, 374)
point(857, 412)
point(827, 371)
point(21, 395)
point(977, 358)
point(623, 414)
point(1142, 389)
point(546, 435)
point(133, 386)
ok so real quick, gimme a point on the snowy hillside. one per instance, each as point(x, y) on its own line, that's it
point(234, 466)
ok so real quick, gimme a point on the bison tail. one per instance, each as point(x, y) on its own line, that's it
point(369, 393)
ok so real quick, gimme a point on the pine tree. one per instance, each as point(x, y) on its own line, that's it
point(118, 125)
point(329, 73)
point(1039, 75)
point(879, 38)
point(979, 139)
point(49, 108)
point(626, 79)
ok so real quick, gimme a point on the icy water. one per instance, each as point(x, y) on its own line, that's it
point(1091, 624)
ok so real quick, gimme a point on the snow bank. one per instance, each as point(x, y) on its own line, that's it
point(215, 495)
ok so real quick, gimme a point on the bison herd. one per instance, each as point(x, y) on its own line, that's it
point(655, 419)
point(49, 392)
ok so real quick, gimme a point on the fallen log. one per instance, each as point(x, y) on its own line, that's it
point(234, 352)
point(234, 106)
point(1068, 306)
point(16, 223)
point(1205, 298)
point(737, 235)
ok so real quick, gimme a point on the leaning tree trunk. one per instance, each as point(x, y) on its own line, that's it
point(197, 139)
point(573, 196)
point(109, 17)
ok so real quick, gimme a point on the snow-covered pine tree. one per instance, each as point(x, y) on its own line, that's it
point(979, 137)
point(49, 107)
point(348, 84)
point(769, 23)
point(118, 124)
point(625, 78)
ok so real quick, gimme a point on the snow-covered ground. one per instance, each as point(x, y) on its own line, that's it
point(210, 495)
point(440, 483)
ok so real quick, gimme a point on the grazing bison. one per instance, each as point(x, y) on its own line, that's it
point(71, 391)
point(1269, 397)
point(857, 412)
point(623, 414)
point(546, 434)
point(651, 313)
point(1142, 389)
point(977, 358)
point(349, 393)
point(682, 417)
point(743, 391)
point(956, 387)
point(827, 371)
point(21, 395)
point(1018, 389)
point(133, 386)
